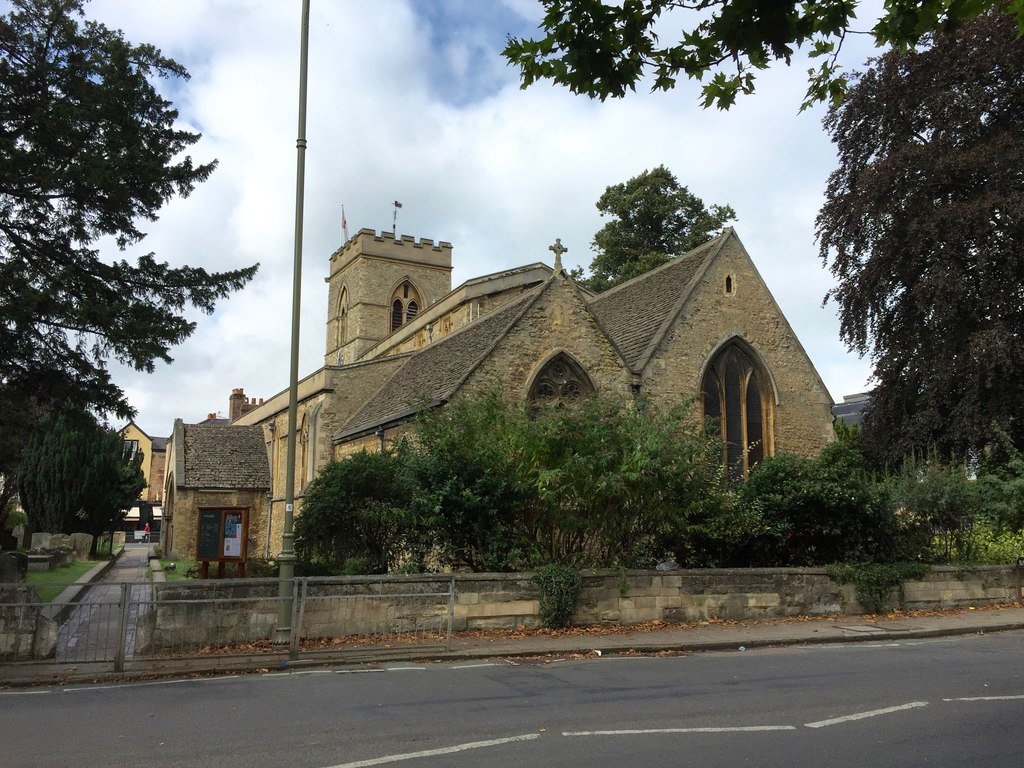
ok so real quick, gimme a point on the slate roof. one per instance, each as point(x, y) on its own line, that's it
point(434, 373)
point(851, 410)
point(634, 314)
point(159, 443)
point(223, 456)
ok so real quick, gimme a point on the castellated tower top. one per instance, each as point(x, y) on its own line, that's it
point(368, 244)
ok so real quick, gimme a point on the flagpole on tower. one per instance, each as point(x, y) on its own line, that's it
point(394, 220)
point(344, 223)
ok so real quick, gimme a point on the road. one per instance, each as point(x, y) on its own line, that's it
point(943, 702)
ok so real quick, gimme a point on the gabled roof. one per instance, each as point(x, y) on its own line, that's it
point(434, 373)
point(223, 456)
point(637, 314)
point(159, 443)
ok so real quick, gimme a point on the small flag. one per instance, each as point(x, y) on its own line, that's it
point(397, 204)
point(344, 223)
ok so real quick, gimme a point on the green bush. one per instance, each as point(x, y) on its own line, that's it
point(355, 509)
point(560, 588)
point(818, 511)
point(874, 582)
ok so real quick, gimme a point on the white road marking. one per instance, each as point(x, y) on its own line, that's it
point(22, 693)
point(987, 698)
point(863, 715)
point(123, 686)
point(473, 666)
point(439, 751)
point(405, 669)
point(724, 729)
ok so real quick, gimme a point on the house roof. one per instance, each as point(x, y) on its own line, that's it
point(159, 443)
point(223, 456)
point(434, 373)
point(636, 314)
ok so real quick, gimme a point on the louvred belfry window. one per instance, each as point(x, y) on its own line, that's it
point(405, 305)
point(737, 409)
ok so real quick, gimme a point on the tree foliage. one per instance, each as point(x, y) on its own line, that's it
point(604, 49)
point(88, 150)
point(923, 229)
point(355, 515)
point(654, 219)
point(76, 476)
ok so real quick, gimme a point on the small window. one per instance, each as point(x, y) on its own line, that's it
point(728, 285)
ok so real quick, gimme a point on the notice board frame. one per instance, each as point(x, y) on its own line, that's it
point(212, 538)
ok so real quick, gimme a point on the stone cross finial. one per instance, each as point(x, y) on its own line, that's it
point(558, 249)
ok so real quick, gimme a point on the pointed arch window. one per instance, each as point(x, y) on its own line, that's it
point(737, 408)
point(405, 305)
point(562, 380)
point(343, 317)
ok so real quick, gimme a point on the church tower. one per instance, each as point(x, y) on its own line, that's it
point(377, 284)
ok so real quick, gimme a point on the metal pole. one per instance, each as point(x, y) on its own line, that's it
point(286, 562)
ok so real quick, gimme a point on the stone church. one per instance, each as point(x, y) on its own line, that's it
point(398, 337)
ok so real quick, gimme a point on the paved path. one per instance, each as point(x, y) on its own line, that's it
point(91, 631)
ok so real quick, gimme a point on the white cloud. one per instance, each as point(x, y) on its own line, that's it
point(432, 116)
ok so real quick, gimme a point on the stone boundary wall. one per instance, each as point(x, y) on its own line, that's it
point(192, 613)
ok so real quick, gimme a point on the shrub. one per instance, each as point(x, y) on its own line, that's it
point(355, 509)
point(873, 582)
point(560, 588)
point(821, 510)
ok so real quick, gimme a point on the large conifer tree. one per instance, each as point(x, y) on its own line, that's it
point(89, 149)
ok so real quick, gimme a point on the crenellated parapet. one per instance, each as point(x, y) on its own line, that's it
point(367, 243)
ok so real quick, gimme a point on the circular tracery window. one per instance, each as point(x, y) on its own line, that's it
point(559, 381)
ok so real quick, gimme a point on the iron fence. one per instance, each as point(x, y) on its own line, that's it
point(135, 623)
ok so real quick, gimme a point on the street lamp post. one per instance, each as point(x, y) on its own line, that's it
point(286, 562)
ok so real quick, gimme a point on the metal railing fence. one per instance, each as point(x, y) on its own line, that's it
point(140, 622)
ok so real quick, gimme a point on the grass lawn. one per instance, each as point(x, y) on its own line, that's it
point(181, 567)
point(49, 584)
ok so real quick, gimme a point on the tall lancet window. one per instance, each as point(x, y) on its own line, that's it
point(737, 408)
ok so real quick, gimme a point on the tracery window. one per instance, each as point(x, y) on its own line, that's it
point(405, 305)
point(736, 406)
point(560, 381)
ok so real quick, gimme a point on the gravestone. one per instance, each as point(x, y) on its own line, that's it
point(118, 539)
point(12, 568)
point(40, 541)
point(82, 543)
point(61, 541)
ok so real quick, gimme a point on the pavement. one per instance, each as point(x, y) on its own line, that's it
point(651, 638)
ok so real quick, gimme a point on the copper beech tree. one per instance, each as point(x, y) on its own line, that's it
point(923, 228)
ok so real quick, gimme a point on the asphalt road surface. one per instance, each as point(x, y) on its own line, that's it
point(955, 701)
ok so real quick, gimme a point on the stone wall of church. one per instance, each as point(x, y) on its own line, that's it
point(803, 415)
point(459, 316)
point(556, 321)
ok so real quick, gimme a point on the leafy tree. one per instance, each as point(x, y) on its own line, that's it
point(821, 510)
point(88, 150)
point(472, 495)
point(355, 515)
point(604, 49)
point(614, 483)
point(923, 230)
point(76, 476)
point(655, 219)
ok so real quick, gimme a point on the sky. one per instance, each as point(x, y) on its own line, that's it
point(411, 100)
